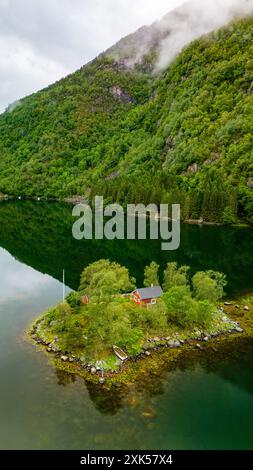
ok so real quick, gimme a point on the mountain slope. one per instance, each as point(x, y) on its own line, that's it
point(51, 139)
point(115, 128)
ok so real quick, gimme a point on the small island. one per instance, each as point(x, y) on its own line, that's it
point(105, 327)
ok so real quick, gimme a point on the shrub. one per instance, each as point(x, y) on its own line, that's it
point(228, 217)
point(74, 299)
point(206, 288)
point(181, 307)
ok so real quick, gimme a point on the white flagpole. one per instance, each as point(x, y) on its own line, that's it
point(63, 286)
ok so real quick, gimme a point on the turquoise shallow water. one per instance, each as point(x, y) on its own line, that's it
point(197, 406)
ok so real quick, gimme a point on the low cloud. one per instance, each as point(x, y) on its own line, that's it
point(41, 41)
point(194, 19)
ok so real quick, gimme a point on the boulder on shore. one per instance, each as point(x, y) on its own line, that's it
point(174, 343)
point(239, 329)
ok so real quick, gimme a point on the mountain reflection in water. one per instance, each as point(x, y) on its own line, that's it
point(203, 401)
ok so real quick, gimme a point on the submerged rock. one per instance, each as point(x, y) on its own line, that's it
point(148, 414)
point(116, 385)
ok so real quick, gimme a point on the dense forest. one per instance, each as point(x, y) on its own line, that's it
point(184, 135)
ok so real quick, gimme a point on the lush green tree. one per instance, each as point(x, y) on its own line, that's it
point(153, 320)
point(207, 287)
point(220, 279)
point(181, 307)
point(246, 201)
point(74, 338)
point(204, 313)
point(104, 279)
point(151, 275)
point(175, 276)
point(112, 325)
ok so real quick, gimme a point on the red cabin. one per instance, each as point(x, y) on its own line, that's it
point(147, 296)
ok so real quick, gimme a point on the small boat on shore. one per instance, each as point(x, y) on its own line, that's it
point(120, 353)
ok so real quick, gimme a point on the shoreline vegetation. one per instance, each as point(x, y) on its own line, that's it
point(190, 316)
point(240, 223)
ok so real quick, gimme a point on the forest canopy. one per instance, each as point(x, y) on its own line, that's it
point(183, 136)
point(103, 313)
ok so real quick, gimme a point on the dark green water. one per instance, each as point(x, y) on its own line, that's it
point(200, 405)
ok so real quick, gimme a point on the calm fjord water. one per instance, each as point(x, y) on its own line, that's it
point(194, 407)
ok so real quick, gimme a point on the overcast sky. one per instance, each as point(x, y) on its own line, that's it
point(44, 40)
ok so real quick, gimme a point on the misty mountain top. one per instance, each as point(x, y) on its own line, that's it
point(167, 37)
point(182, 136)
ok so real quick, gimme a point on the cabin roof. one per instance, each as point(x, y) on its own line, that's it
point(150, 292)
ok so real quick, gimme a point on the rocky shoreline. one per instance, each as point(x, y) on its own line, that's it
point(95, 371)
